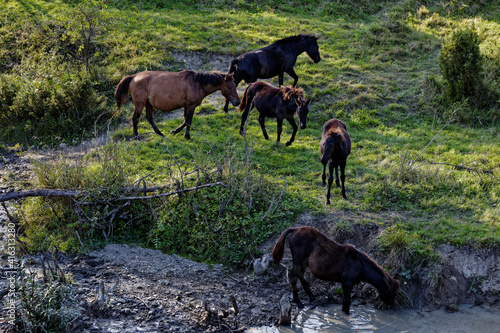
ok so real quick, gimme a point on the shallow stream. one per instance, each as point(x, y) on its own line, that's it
point(365, 319)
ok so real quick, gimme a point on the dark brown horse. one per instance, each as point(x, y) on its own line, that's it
point(331, 261)
point(280, 103)
point(168, 91)
point(273, 60)
point(335, 146)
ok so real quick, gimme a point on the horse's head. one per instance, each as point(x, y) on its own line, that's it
point(302, 111)
point(388, 294)
point(228, 90)
point(313, 50)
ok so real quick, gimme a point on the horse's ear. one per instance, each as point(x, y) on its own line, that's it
point(229, 77)
point(308, 101)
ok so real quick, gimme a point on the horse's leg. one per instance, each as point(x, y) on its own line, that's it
point(263, 126)
point(135, 118)
point(346, 302)
point(149, 117)
point(279, 123)
point(188, 117)
point(330, 181)
point(337, 176)
point(342, 178)
point(323, 177)
point(293, 278)
point(295, 128)
point(294, 76)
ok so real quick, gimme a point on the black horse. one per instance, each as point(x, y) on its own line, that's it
point(280, 103)
point(272, 60)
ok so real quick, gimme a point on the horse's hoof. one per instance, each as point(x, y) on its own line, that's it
point(300, 305)
point(288, 143)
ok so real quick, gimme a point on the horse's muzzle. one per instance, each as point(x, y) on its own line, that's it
point(235, 102)
point(318, 59)
point(302, 125)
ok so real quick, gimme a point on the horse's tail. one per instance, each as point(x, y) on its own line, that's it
point(328, 148)
point(121, 92)
point(246, 100)
point(279, 248)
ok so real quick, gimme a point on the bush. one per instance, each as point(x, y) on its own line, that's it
point(461, 64)
point(47, 106)
point(46, 305)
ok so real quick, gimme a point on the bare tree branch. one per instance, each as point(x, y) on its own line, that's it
point(14, 195)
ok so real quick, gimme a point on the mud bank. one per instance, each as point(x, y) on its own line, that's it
point(156, 292)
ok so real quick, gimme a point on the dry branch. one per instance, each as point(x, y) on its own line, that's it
point(14, 195)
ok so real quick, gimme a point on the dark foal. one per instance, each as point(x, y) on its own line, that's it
point(273, 60)
point(280, 103)
point(335, 146)
point(330, 261)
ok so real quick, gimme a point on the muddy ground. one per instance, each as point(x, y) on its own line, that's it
point(146, 290)
point(149, 291)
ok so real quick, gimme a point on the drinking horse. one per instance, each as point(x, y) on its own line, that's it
point(167, 91)
point(273, 60)
point(330, 261)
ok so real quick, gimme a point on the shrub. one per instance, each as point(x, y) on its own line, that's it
point(43, 105)
point(46, 305)
point(461, 64)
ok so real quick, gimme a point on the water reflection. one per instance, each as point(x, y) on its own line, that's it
point(366, 319)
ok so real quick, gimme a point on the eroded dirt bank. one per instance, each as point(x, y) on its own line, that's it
point(149, 291)
point(168, 293)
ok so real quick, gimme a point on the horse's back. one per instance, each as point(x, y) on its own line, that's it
point(326, 259)
point(334, 125)
point(164, 90)
point(336, 128)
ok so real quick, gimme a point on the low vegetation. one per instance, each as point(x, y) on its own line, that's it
point(425, 160)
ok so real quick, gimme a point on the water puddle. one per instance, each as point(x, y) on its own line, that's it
point(366, 319)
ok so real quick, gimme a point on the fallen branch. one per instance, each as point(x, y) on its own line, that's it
point(14, 195)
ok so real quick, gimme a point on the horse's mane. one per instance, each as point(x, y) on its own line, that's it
point(366, 259)
point(288, 92)
point(212, 78)
point(293, 39)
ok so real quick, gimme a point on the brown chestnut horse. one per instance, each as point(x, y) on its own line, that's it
point(335, 146)
point(331, 261)
point(280, 103)
point(169, 91)
point(273, 60)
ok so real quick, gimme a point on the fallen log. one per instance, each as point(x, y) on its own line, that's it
point(14, 195)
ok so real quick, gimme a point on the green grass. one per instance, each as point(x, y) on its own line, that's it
point(373, 75)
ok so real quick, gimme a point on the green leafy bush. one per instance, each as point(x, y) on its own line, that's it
point(47, 106)
point(461, 64)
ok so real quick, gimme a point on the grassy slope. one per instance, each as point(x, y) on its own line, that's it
point(372, 76)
